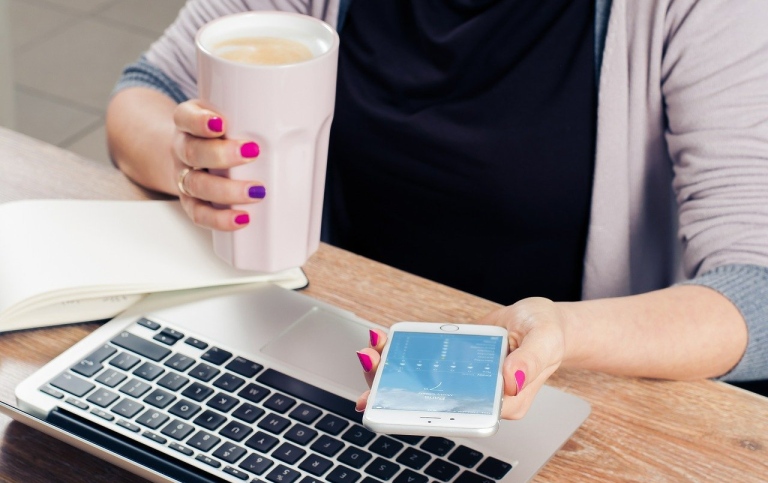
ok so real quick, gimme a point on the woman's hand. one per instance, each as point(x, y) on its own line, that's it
point(199, 145)
point(536, 345)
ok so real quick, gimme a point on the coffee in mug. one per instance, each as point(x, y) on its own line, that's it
point(272, 75)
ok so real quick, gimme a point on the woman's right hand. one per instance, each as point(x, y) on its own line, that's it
point(199, 144)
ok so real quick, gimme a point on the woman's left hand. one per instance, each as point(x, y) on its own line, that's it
point(536, 328)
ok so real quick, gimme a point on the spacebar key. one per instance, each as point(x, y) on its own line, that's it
point(143, 347)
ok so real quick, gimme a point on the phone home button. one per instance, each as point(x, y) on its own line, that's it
point(449, 327)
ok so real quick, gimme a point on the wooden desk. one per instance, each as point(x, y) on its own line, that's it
point(639, 430)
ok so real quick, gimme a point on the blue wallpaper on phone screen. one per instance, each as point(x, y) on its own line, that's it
point(439, 372)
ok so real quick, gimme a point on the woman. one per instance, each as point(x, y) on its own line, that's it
point(541, 154)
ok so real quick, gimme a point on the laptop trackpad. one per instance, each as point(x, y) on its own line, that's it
point(323, 344)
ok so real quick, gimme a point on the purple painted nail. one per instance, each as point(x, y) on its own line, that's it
point(215, 124)
point(249, 150)
point(520, 380)
point(374, 337)
point(257, 192)
point(242, 219)
point(365, 361)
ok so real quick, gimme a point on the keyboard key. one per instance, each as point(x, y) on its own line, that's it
point(288, 453)
point(332, 424)
point(244, 367)
point(305, 413)
point(102, 414)
point(262, 442)
point(315, 464)
point(382, 469)
point(413, 440)
point(52, 392)
point(216, 356)
point(102, 353)
point(129, 426)
point(358, 435)
point(159, 398)
point(494, 468)
point(152, 419)
point(413, 458)
point(230, 453)
point(87, 368)
point(124, 361)
point(273, 423)
point(175, 334)
point(236, 473)
point(148, 371)
point(279, 403)
point(437, 446)
point(441, 470)
point(354, 457)
point(149, 324)
point(196, 343)
point(210, 420)
point(181, 449)
point(197, 392)
point(203, 441)
point(326, 445)
point(256, 464)
point(180, 362)
point(173, 381)
point(135, 388)
point(229, 382)
point(164, 339)
point(184, 409)
point(127, 408)
point(469, 477)
point(208, 460)
point(223, 402)
point(102, 397)
point(77, 403)
point(283, 474)
point(309, 479)
point(341, 474)
point(72, 384)
point(254, 392)
point(154, 437)
point(235, 431)
point(177, 430)
point(408, 476)
point(386, 447)
point(111, 378)
point(465, 456)
point(140, 346)
point(248, 413)
point(204, 372)
point(300, 434)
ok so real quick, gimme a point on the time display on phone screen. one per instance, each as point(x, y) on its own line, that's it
point(453, 373)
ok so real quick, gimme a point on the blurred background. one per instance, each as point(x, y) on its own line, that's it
point(59, 60)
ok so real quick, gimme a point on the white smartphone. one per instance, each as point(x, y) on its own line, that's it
point(438, 379)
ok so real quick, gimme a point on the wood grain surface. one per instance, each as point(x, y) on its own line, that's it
point(639, 430)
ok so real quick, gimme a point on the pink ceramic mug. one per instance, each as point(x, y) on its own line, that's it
point(287, 109)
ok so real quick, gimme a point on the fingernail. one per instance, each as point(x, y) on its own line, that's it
point(520, 380)
point(242, 219)
point(249, 150)
point(365, 361)
point(215, 124)
point(359, 410)
point(257, 192)
point(374, 337)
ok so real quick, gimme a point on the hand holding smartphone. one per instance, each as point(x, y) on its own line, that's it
point(438, 379)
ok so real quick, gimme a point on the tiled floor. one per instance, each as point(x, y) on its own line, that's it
point(66, 57)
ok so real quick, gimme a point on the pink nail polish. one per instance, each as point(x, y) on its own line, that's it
point(215, 124)
point(242, 219)
point(249, 150)
point(520, 380)
point(374, 337)
point(365, 361)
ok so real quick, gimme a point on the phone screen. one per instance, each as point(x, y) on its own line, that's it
point(454, 373)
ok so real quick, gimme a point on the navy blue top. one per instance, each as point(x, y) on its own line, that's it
point(462, 147)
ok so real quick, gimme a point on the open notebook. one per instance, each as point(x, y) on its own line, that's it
point(64, 261)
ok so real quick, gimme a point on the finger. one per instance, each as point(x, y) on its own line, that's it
point(369, 360)
point(220, 190)
point(205, 215)
point(198, 119)
point(377, 339)
point(197, 152)
point(362, 401)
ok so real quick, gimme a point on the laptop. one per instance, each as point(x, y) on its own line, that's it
point(258, 385)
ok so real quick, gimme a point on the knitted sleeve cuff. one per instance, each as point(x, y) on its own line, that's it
point(144, 74)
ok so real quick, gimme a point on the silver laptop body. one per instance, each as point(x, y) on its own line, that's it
point(258, 386)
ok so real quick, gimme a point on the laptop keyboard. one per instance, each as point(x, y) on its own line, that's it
point(241, 421)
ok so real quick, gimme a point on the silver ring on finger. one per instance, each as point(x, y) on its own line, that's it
point(182, 179)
